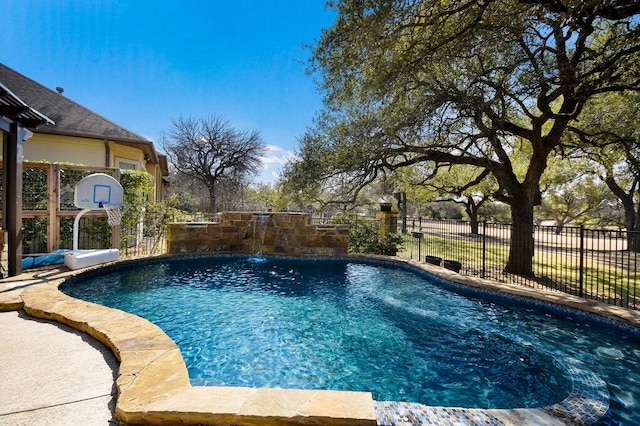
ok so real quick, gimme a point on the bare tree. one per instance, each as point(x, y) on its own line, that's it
point(211, 151)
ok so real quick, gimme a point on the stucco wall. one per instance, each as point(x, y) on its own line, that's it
point(243, 232)
point(127, 154)
point(64, 149)
point(89, 152)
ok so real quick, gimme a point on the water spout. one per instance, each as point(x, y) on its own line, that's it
point(260, 222)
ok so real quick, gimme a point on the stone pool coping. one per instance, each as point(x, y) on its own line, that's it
point(153, 384)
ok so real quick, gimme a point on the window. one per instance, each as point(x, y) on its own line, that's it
point(126, 164)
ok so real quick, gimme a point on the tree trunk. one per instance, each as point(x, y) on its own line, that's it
point(473, 213)
point(521, 251)
point(631, 214)
point(633, 241)
point(633, 233)
point(212, 200)
point(475, 224)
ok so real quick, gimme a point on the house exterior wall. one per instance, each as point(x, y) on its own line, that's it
point(126, 154)
point(131, 155)
point(89, 152)
point(158, 188)
point(64, 149)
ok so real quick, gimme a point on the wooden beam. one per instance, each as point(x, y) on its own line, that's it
point(31, 122)
point(12, 111)
point(53, 206)
point(12, 195)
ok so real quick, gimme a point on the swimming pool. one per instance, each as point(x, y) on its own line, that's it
point(397, 332)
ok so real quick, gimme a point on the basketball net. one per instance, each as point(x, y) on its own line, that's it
point(114, 214)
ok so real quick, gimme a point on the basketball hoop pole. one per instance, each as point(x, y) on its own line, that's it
point(76, 228)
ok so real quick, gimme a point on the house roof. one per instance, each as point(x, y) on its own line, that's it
point(164, 165)
point(71, 118)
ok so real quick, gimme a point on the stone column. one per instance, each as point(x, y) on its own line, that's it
point(387, 223)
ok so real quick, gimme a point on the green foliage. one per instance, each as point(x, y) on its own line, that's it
point(572, 192)
point(157, 216)
point(607, 133)
point(97, 232)
point(364, 238)
point(94, 233)
point(495, 212)
point(66, 232)
point(442, 210)
point(68, 180)
point(34, 235)
point(137, 186)
point(34, 188)
point(266, 195)
point(464, 83)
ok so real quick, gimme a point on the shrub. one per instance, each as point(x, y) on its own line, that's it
point(364, 238)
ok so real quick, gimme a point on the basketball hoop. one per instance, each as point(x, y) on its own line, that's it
point(114, 214)
point(97, 191)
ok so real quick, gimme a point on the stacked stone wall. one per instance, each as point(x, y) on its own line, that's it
point(387, 223)
point(266, 233)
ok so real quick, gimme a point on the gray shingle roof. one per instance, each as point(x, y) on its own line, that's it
point(70, 118)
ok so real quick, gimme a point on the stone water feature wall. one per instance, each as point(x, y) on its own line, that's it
point(251, 233)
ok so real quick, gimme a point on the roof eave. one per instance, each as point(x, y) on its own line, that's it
point(164, 164)
point(13, 108)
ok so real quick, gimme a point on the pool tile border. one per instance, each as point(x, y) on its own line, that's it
point(153, 384)
point(587, 402)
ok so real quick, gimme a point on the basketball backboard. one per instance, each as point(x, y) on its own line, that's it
point(97, 190)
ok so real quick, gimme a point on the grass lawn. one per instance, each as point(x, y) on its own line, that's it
point(609, 276)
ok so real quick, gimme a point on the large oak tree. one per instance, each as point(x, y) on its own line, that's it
point(465, 82)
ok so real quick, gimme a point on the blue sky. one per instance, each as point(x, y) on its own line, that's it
point(142, 63)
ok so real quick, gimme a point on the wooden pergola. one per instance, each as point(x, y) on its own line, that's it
point(15, 118)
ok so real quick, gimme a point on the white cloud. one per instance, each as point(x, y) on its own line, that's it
point(275, 155)
point(274, 158)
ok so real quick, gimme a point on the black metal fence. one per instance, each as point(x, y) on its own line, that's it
point(140, 234)
point(592, 263)
point(143, 237)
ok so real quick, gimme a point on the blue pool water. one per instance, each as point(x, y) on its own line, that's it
point(350, 325)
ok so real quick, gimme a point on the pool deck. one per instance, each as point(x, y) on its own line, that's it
point(40, 380)
point(152, 385)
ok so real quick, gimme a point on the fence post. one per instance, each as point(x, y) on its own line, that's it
point(418, 237)
point(53, 206)
point(116, 230)
point(484, 248)
point(581, 279)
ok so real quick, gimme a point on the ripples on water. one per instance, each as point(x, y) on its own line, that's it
point(334, 324)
